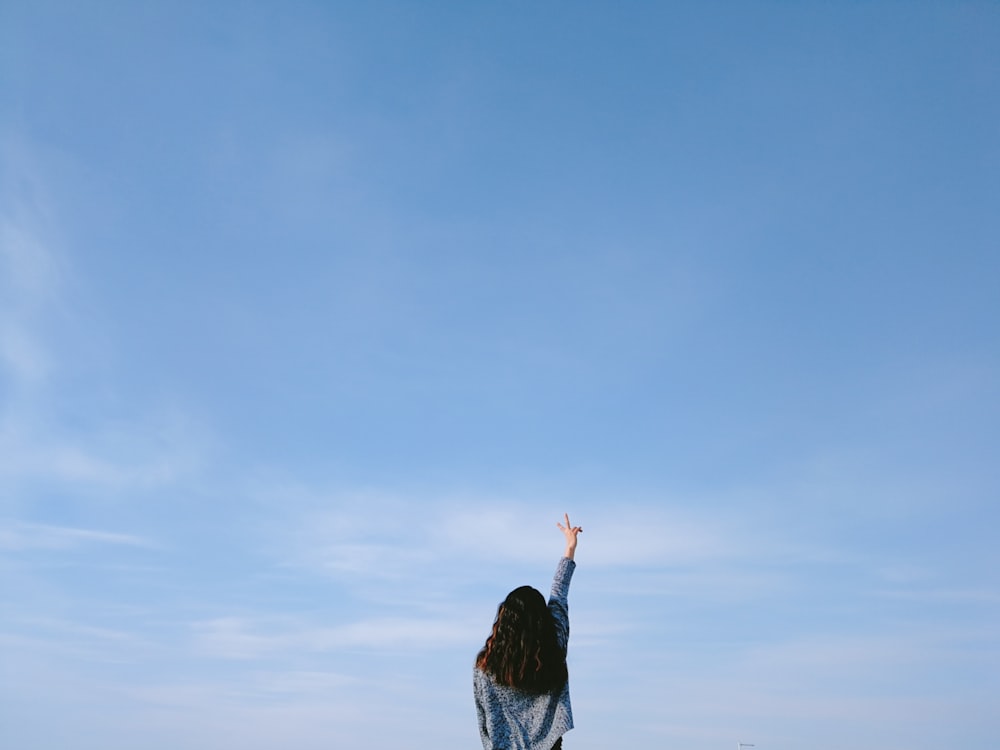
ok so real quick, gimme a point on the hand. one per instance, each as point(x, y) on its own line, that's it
point(570, 532)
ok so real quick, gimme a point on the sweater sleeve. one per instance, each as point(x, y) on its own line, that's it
point(559, 599)
point(478, 690)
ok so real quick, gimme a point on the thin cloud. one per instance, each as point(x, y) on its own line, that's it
point(165, 448)
point(958, 595)
point(63, 461)
point(66, 641)
point(365, 533)
point(20, 350)
point(300, 682)
point(28, 287)
point(31, 272)
point(20, 536)
point(241, 638)
point(38, 330)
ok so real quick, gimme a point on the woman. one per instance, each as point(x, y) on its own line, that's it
point(520, 680)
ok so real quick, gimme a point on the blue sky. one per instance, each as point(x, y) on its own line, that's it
point(315, 318)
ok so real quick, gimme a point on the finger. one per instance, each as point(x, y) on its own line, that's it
point(568, 525)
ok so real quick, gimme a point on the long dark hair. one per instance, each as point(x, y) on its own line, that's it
point(523, 651)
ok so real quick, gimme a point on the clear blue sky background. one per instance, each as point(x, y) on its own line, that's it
point(315, 317)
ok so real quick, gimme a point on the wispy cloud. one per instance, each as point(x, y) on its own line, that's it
point(18, 536)
point(386, 533)
point(67, 639)
point(242, 638)
point(40, 328)
point(253, 686)
point(136, 455)
point(945, 595)
point(827, 684)
point(30, 281)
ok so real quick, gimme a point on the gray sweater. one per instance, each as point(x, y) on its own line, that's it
point(511, 719)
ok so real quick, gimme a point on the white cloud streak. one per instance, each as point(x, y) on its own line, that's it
point(34, 311)
point(29, 285)
point(246, 639)
point(20, 536)
point(137, 455)
point(372, 534)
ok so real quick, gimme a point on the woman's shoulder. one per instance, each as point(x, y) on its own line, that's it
point(481, 678)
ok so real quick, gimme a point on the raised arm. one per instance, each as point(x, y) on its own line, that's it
point(570, 532)
point(559, 598)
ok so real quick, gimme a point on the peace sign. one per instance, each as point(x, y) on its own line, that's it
point(570, 532)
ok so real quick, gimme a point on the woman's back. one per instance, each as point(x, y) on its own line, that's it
point(520, 682)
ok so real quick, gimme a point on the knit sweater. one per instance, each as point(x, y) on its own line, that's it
point(512, 719)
